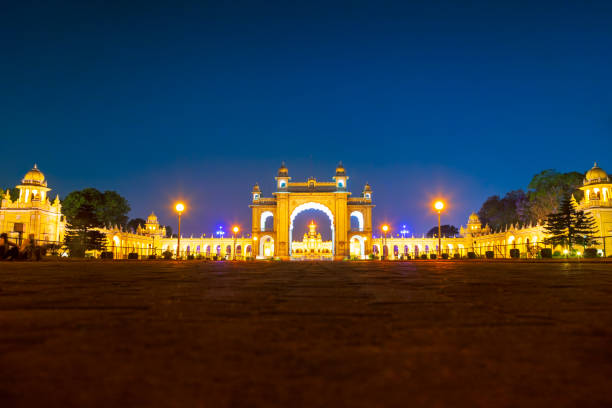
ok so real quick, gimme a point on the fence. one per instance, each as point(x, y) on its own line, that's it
point(481, 250)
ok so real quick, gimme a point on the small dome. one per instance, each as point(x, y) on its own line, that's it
point(256, 188)
point(283, 171)
point(367, 187)
point(596, 174)
point(34, 177)
point(152, 218)
point(340, 170)
point(473, 219)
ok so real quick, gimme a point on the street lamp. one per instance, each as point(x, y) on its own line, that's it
point(180, 207)
point(439, 206)
point(235, 230)
point(384, 228)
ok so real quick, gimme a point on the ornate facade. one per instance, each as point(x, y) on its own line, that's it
point(312, 245)
point(33, 212)
point(330, 197)
point(273, 223)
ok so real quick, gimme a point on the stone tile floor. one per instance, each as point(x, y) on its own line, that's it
point(310, 334)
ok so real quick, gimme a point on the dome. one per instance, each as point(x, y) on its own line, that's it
point(35, 177)
point(473, 219)
point(283, 171)
point(152, 218)
point(340, 170)
point(596, 174)
point(256, 188)
point(367, 187)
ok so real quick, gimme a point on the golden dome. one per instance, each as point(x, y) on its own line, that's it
point(283, 171)
point(473, 219)
point(596, 174)
point(340, 170)
point(34, 177)
point(151, 219)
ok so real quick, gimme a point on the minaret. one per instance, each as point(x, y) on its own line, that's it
point(340, 178)
point(256, 192)
point(282, 180)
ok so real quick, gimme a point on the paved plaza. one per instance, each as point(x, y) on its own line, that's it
point(305, 334)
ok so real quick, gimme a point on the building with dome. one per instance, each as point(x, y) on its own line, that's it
point(597, 188)
point(273, 220)
point(312, 245)
point(33, 212)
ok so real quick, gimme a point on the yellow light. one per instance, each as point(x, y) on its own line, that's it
point(254, 238)
point(385, 228)
point(236, 229)
point(578, 253)
point(439, 205)
point(180, 207)
point(565, 251)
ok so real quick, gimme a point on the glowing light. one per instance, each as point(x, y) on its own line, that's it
point(220, 233)
point(578, 253)
point(565, 251)
point(236, 229)
point(254, 238)
point(439, 205)
point(385, 228)
point(180, 207)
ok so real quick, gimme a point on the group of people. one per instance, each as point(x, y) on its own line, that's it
point(28, 249)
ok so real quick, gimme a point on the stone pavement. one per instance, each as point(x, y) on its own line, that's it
point(309, 334)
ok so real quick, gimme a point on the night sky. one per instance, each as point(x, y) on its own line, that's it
point(201, 100)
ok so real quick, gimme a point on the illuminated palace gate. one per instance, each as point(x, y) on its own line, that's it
point(272, 237)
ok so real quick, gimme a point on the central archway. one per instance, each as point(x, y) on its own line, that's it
point(312, 206)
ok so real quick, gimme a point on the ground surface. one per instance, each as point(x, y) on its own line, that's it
point(305, 334)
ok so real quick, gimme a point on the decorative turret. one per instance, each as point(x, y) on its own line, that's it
point(256, 192)
point(474, 227)
point(340, 178)
point(367, 192)
point(33, 187)
point(282, 181)
point(597, 188)
point(596, 175)
point(152, 226)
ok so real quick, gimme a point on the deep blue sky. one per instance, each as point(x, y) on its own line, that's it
point(202, 100)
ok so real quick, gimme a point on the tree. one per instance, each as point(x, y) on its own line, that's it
point(81, 234)
point(115, 209)
point(548, 188)
point(109, 207)
point(586, 228)
point(447, 231)
point(498, 212)
point(569, 226)
point(135, 222)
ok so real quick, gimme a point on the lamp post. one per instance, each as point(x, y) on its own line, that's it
point(404, 231)
point(385, 228)
point(439, 206)
point(180, 207)
point(235, 230)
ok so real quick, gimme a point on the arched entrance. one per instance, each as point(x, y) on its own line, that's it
point(266, 246)
point(312, 206)
point(274, 216)
point(358, 246)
